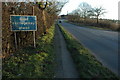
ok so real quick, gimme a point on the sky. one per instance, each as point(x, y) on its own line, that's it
point(110, 6)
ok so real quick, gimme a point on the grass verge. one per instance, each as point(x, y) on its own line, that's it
point(92, 27)
point(86, 63)
point(32, 62)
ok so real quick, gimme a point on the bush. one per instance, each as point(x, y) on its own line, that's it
point(103, 23)
point(32, 62)
point(23, 38)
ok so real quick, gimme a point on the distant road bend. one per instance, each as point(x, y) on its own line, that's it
point(103, 44)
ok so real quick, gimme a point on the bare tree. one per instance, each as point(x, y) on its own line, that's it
point(76, 12)
point(84, 9)
point(98, 12)
point(42, 6)
point(51, 6)
point(56, 6)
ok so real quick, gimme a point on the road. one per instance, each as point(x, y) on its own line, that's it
point(102, 44)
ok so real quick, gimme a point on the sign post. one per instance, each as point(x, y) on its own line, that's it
point(34, 31)
point(23, 23)
point(34, 39)
point(15, 40)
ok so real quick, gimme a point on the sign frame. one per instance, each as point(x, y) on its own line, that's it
point(22, 30)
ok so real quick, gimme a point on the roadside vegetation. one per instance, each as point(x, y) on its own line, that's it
point(30, 62)
point(86, 15)
point(87, 65)
point(104, 24)
point(46, 13)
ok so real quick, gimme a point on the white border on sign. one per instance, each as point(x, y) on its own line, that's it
point(23, 30)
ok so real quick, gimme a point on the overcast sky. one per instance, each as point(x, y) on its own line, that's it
point(111, 7)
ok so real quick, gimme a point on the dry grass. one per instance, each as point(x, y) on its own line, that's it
point(103, 23)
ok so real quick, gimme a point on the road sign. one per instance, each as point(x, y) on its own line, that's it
point(23, 23)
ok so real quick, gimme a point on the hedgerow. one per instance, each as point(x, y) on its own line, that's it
point(30, 62)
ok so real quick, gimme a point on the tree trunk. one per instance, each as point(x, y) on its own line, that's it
point(97, 20)
point(44, 22)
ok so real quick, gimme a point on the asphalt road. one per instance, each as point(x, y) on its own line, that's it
point(102, 44)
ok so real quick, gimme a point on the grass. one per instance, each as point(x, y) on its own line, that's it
point(86, 63)
point(32, 62)
point(87, 26)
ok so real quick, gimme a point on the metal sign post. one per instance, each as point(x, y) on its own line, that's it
point(23, 23)
point(34, 39)
point(34, 32)
point(15, 40)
